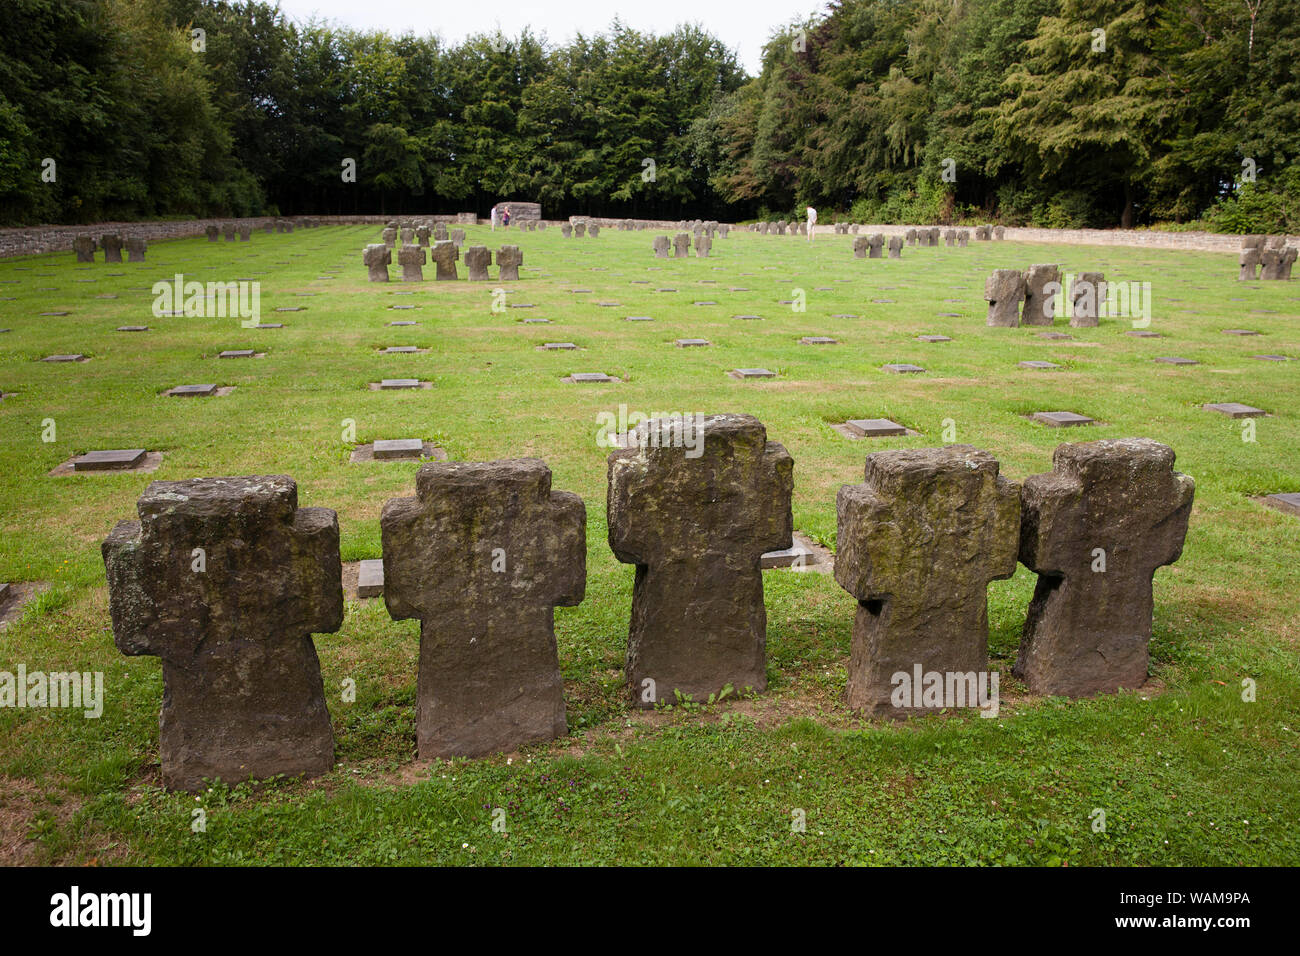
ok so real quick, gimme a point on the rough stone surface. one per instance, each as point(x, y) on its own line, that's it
point(84, 247)
point(1087, 293)
point(1039, 300)
point(1087, 630)
point(477, 260)
point(242, 686)
point(444, 254)
point(660, 245)
point(411, 259)
point(481, 556)
point(509, 259)
point(112, 246)
point(918, 543)
point(377, 256)
point(1249, 261)
point(696, 529)
point(681, 245)
point(1004, 290)
point(895, 247)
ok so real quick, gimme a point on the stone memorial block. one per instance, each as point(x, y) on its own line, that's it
point(853, 229)
point(780, 227)
point(918, 543)
point(370, 578)
point(228, 231)
point(696, 523)
point(1249, 261)
point(1040, 304)
point(268, 227)
point(392, 449)
point(212, 232)
point(593, 230)
point(458, 237)
point(682, 245)
point(999, 232)
point(1095, 529)
point(579, 230)
point(963, 237)
point(1252, 242)
point(874, 427)
point(1289, 255)
point(411, 259)
point(724, 230)
point(949, 237)
point(509, 259)
point(377, 258)
point(390, 237)
point(440, 232)
point(84, 247)
point(1061, 419)
point(481, 556)
point(702, 246)
point(860, 247)
point(660, 246)
point(566, 230)
point(1235, 409)
point(135, 249)
point(911, 237)
point(1087, 295)
point(245, 232)
point(116, 459)
point(477, 260)
point(875, 242)
point(895, 247)
point(242, 696)
point(407, 235)
point(444, 254)
point(422, 235)
point(112, 246)
point(1004, 290)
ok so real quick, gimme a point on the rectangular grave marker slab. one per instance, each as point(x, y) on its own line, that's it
point(1036, 364)
point(112, 460)
point(1235, 409)
point(874, 427)
point(901, 369)
point(400, 383)
point(752, 373)
point(1175, 360)
point(817, 340)
point(74, 357)
point(1061, 419)
point(390, 448)
point(370, 578)
point(1287, 501)
point(182, 391)
point(933, 338)
point(236, 353)
point(689, 343)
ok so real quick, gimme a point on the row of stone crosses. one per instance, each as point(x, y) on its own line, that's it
point(1036, 287)
point(1266, 257)
point(445, 253)
point(111, 244)
point(226, 579)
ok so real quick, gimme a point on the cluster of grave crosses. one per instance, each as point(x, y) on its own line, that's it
point(226, 579)
point(444, 251)
point(112, 244)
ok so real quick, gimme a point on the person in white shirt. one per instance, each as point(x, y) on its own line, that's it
point(812, 222)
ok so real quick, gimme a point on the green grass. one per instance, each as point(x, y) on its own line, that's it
point(1191, 776)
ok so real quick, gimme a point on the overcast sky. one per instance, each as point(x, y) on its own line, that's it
point(743, 25)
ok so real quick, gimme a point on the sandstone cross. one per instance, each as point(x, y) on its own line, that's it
point(1095, 529)
point(377, 256)
point(481, 556)
point(1004, 289)
point(84, 246)
point(695, 514)
point(112, 246)
point(1040, 304)
point(509, 259)
point(226, 579)
point(477, 260)
point(444, 254)
point(919, 541)
point(411, 259)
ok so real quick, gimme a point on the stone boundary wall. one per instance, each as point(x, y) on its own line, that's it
point(35, 240)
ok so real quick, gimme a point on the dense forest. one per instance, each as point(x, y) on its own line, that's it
point(1047, 112)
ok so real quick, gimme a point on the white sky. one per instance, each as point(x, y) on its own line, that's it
point(742, 25)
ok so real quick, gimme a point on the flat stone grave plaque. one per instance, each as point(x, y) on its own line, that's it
point(537, 321)
point(1175, 360)
point(845, 315)
point(638, 318)
point(71, 357)
point(236, 353)
point(1235, 409)
point(400, 349)
point(269, 325)
point(389, 383)
point(1239, 332)
point(589, 377)
point(54, 313)
point(874, 427)
point(800, 555)
point(1143, 334)
point(750, 318)
point(818, 340)
point(933, 338)
point(1061, 419)
point(558, 346)
point(665, 290)
point(390, 448)
point(113, 460)
point(1037, 364)
point(183, 391)
point(744, 373)
point(688, 343)
point(133, 328)
point(1287, 501)
point(1271, 358)
point(402, 323)
point(291, 308)
point(370, 578)
point(1054, 336)
point(901, 368)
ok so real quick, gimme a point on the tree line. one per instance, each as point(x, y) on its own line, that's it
point(1046, 112)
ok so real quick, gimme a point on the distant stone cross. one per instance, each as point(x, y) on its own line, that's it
point(702, 246)
point(1039, 299)
point(226, 579)
point(696, 527)
point(1095, 529)
point(1087, 293)
point(1004, 290)
point(84, 247)
point(112, 246)
point(875, 242)
point(682, 245)
point(660, 245)
point(481, 556)
point(477, 260)
point(919, 541)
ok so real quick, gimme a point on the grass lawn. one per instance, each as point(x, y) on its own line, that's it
point(1185, 772)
